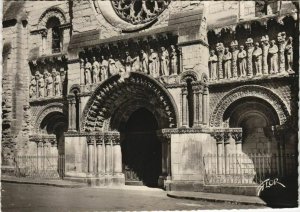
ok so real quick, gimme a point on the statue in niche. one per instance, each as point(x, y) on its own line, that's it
point(174, 63)
point(242, 61)
point(95, 70)
point(250, 49)
point(49, 83)
point(213, 62)
point(289, 54)
point(87, 71)
point(112, 65)
point(57, 83)
point(164, 61)
point(32, 88)
point(257, 57)
point(128, 62)
point(41, 85)
point(136, 63)
point(227, 63)
point(220, 50)
point(153, 63)
point(234, 47)
point(273, 52)
point(265, 48)
point(145, 62)
point(104, 69)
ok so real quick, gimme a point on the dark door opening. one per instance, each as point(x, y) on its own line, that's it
point(141, 149)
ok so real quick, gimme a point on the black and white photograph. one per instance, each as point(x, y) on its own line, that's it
point(149, 105)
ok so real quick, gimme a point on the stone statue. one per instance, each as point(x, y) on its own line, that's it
point(153, 63)
point(164, 61)
point(136, 63)
point(282, 43)
point(212, 62)
point(242, 61)
point(145, 62)
point(289, 54)
point(49, 83)
point(57, 83)
point(112, 65)
point(227, 63)
point(128, 62)
point(120, 66)
point(273, 52)
point(41, 86)
point(32, 88)
point(250, 49)
point(234, 49)
point(265, 48)
point(174, 63)
point(95, 70)
point(220, 51)
point(257, 57)
point(104, 69)
point(87, 71)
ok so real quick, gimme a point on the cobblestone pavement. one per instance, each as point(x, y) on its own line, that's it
point(25, 197)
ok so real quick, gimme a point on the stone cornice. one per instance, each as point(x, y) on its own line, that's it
point(46, 100)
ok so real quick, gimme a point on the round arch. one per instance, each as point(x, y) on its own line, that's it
point(116, 95)
point(49, 13)
point(50, 108)
point(256, 91)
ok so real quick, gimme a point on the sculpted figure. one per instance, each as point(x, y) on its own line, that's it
point(95, 70)
point(257, 57)
point(282, 43)
point(32, 88)
point(136, 63)
point(87, 71)
point(250, 50)
point(104, 69)
point(220, 51)
point(227, 63)
point(242, 61)
point(174, 63)
point(112, 65)
point(41, 85)
point(120, 66)
point(145, 62)
point(265, 48)
point(164, 61)
point(212, 62)
point(57, 83)
point(128, 62)
point(273, 52)
point(49, 83)
point(289, 54)
point(153, 63)
point(235, 51)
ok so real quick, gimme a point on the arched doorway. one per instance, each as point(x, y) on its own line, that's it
point(141, 149)
point(256, 117)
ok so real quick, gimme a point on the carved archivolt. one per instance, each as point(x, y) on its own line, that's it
point(52, 12)
point(189, 75)
point(116, 91)
point(54, 107)
point(261, 92)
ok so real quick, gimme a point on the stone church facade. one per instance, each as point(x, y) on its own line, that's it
point(161, 93)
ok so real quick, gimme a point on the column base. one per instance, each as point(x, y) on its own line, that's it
point(118, 179)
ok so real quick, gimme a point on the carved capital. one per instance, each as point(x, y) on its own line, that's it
point(226, 137)
point(237, 136)
point(90, 139)
point(219, 136)
point(99, 139)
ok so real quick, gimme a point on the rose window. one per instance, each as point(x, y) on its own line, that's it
point(139, 11)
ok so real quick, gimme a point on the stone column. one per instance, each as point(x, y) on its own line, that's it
point(200, 109)
point(180, 60)
point(205, 106)
point(196, 106)
point(219, 137)
point(226, 151)
point(99, 143)
point(169, 169)
point(220, 51)
point(117, 154)
point(237, 136)
point(40, 146)
point(82, 78)
point(72, 114)
point(44, 40)
point(90, 142)
point(108, 159)
point(184, 107)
